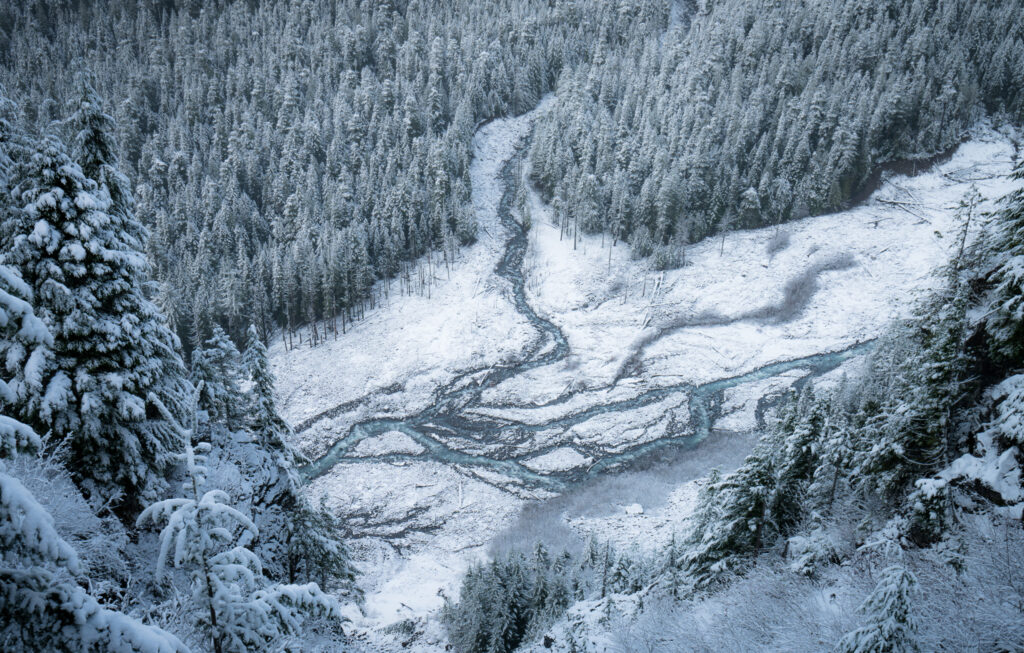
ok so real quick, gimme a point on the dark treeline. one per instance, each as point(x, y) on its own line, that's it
point(760, 112)
point(287, 155)
point(516, 597)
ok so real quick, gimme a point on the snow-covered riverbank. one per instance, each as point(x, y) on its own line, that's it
point(420, 523)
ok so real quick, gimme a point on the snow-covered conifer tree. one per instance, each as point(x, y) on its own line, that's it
point(795, 460)
point(206, 536)
point(315, 550)
point(112, 348)
point(269, 427)
point(218, 366)
point(305, 538)
point(95, 150)
point(1004, 322)
point(278, 482)
point(890, 623)
point(42, 603)
point(738, 528)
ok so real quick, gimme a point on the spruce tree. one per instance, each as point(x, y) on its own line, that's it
point(218, 366)
point(315, 551)
point(280, 479)
point(890, 623)
point(1004, 321)
point(796, 458)
point(834, 451)
point(304, 538)
point(741, 524)
point(270, 428)
point(914, 434)
point(94, 147)
point(114, 357)
point(42, 603)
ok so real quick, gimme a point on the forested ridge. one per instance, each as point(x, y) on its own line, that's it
point(756, 113)
point(338, 147)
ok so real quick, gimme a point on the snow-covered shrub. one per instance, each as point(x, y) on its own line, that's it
point(205, 535)
point(42, 607)
point(891, 624)
point(778, 241)
point(811, 552)
point(101, 542)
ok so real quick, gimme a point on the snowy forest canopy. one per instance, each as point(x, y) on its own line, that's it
point(286, 155)
point(339, 147)
point(182, 181)
point(761, 112)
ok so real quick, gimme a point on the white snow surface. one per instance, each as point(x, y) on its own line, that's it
point(558, 459)
point(403, 350)
point(634, 528)
point(390, 442)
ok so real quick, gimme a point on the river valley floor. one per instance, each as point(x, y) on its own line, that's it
point(457, 405)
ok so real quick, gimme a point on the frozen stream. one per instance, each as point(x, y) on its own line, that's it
point(452, 417)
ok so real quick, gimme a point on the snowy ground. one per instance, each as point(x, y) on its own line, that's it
point(412, 343)
point(896, 240)
point(419, 523)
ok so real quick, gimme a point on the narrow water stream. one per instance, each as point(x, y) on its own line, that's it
point(450, 417)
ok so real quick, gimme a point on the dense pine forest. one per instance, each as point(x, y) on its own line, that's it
point(763, 112)
point(194, 194)
point(340, 144)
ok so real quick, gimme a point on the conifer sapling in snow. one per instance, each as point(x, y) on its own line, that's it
point(890, 623)
point(206, 536)
point(269, 427)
